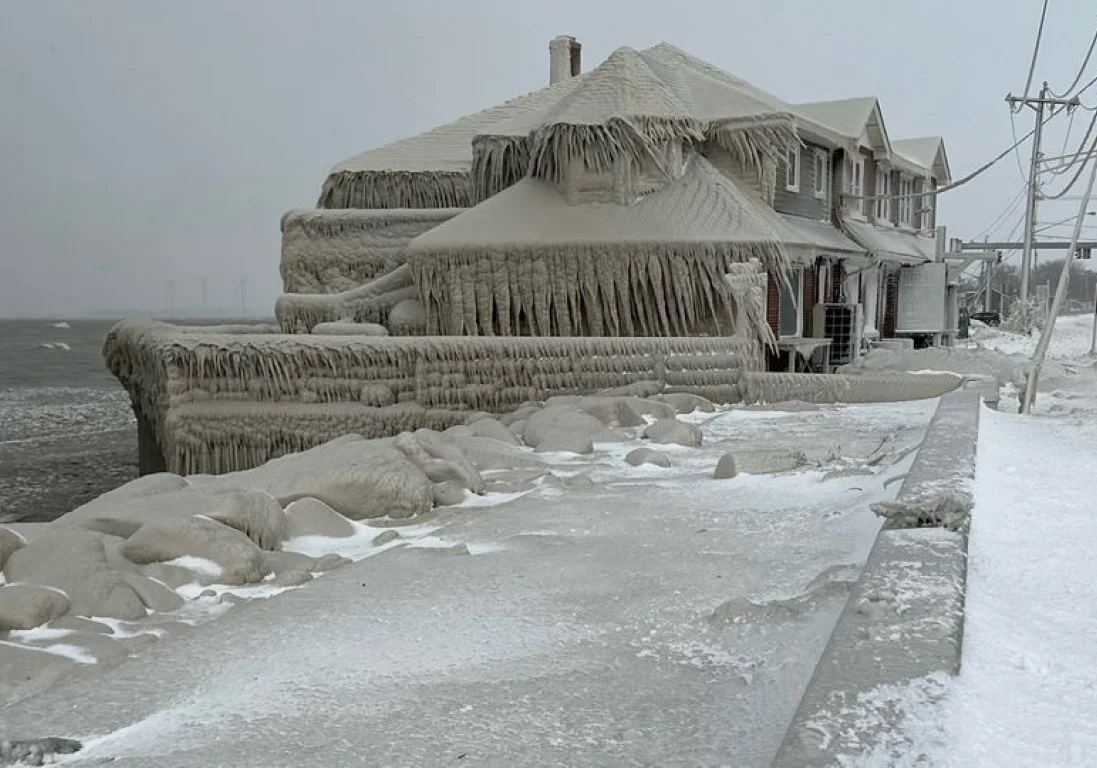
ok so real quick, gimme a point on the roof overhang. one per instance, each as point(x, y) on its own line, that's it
point(891, 245)
point(817, 239)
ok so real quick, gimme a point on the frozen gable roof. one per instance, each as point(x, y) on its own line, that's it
point(927, 152)
point(633, 104)
point(657, 87)
point(851, 119)
point(430, 169)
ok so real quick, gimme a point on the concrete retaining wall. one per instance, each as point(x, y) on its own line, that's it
point(904, 618)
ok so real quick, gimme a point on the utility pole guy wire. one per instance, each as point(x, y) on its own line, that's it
point(1029, 395)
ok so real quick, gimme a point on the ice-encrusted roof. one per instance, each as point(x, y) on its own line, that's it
point(848, 117)
point(633, 99)
point(702, 206)
point(926, 152)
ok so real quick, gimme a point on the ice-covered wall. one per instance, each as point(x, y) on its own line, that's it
point(371, 302)
point(217, 402)
point(330, 251)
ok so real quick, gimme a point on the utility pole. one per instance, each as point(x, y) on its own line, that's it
point(1038, 103)
point(1029, 395)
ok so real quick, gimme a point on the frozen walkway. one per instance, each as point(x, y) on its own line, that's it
point(582, 630)
point(1027, 691)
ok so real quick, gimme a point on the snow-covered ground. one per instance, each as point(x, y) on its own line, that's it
point(1027, 691)
point(617, 615)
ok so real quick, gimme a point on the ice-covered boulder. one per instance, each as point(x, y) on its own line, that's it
point(9, 542)
point(256, 514)
point(26, 606)
point(565, 428)
point(612, 411)
point(359, 479)
point(684, 402)
point(647, 456)
point(75, 562)
point(726, 467)
point(238, 557)
point(492, 428)
point(488, 453)
point(673, 431)
point(312, 517)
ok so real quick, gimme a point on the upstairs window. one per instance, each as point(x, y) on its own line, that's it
point(792, 168)
point(820, 185)
point(855, 182)
point(883, 194)
point(906, 201)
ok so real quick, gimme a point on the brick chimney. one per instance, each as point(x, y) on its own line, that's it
point(565, 58)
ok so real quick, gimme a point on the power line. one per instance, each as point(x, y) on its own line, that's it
point(1077, 175)
point(1070, 124)
point(1085, 88)
point(1059, 170)
point(1016, 143)
point(1035, 54)
point(959, 182)
point(1081, 69)
point(1010, 208)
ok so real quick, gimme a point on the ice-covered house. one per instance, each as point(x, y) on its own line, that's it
point(844, 253)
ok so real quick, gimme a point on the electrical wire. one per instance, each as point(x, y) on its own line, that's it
point(1070, 124)
point(1077, 175)
point(1081, 69)
point(1063, 167)
point(1016, 144)
point(1085, 88)
point(1010, 208)
point(959, 182)
point(1035, 54)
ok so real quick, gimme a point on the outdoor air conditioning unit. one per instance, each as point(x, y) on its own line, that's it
point(841, 323)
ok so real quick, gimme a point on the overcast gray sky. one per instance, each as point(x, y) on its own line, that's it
point(142, 140)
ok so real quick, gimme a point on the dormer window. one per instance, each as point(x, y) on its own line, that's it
point(792, 168)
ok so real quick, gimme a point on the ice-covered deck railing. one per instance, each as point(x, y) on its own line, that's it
point(247, 398)
point(329, 251)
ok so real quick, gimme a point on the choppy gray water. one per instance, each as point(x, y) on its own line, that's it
point(53, 381)
point(66, 429)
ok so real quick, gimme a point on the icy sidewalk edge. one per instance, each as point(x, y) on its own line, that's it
point(904, 617)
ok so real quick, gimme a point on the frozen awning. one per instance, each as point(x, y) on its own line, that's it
point(887, 244)
point(819, 237)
